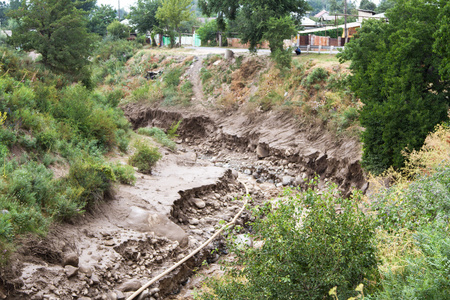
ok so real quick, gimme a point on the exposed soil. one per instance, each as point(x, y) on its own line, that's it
point(126, 241)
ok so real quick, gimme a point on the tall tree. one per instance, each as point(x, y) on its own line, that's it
point(142, 16)
point(253, 15)
point(368, 5)
point(172, 13)
point(86, 5)
point(100, 17)
point(57, 30)
point(395, 73)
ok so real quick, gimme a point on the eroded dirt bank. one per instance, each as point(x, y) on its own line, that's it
point(271, 146)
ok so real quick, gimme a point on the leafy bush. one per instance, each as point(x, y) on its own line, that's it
point(145, 157)
point(172, 77)
point(423, 276)
point(316, 74)
point(94, 179)
point(118, 30)
point(172, 131)
point(159, 136)
point(309, 244)
point(124, 173)
point(208, 33)
point(425, 200)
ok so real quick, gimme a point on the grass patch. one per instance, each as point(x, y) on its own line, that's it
point(159, 136)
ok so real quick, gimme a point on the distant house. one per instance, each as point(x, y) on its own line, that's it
point(364, 14)
point(308, 23)
point(324, 16)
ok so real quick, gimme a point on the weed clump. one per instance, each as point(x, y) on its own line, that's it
point(145, 157)
point(159, 136)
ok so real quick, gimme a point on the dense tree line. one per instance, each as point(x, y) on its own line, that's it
point(401, 74)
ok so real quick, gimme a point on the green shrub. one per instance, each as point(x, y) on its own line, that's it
point(124, 173)
point(159, 136)
point(145, 157)
point(270, 100)
point(31, 185)
point(423, 276)
point(118, 30)
point(7, 137)
point(311, 242)
point(172, 131)
point(172, 77)
point(426, 200)
point(94, 179)
point(205, 74)
point(317, 74)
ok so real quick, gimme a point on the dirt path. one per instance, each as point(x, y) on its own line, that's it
point(198, 101)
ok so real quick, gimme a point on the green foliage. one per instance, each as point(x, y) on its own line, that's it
point(44, 27)
point(424, 276)
point(317, 74)
point(368, 5)
point(124, 173)
point(426, 200)
point(310, 243)
point(329, 32)
point(403, 98)
point(145, 157)
point(93, 179)
point(278, 29)
point(100, 17)
point(172, 77)
point(159, 136)
point(208, 33)
point(118, 30)
point(171, 13)
point(142, 16)
point(253, 17)
point(172, 131)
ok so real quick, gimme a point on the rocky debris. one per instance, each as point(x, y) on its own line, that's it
point(199, 203)
point(162, 226)
point(130, 286)
point(71, 259)
point(262, 151)
point(70, 271)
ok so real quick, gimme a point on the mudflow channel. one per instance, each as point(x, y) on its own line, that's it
point(144, 229)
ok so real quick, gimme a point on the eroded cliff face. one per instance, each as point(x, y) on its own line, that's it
point(271, 147)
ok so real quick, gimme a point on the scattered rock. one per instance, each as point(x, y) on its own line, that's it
point(144, 295)
point(70, 259)
point(130, 286)
point(194, 221)
point(95, 279)
point(154, 291)
point(199, 203)
point(120, 295)
point(262, 150)
point(86, 270)
point(287, 180)
point(163, 226)
point(70, 271)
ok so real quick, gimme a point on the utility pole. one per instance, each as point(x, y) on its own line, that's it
point(345, 20)
point(119, 8)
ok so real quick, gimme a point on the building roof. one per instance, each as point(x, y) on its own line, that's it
point(349, 25)
point(321, 14)
point(307, 22)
